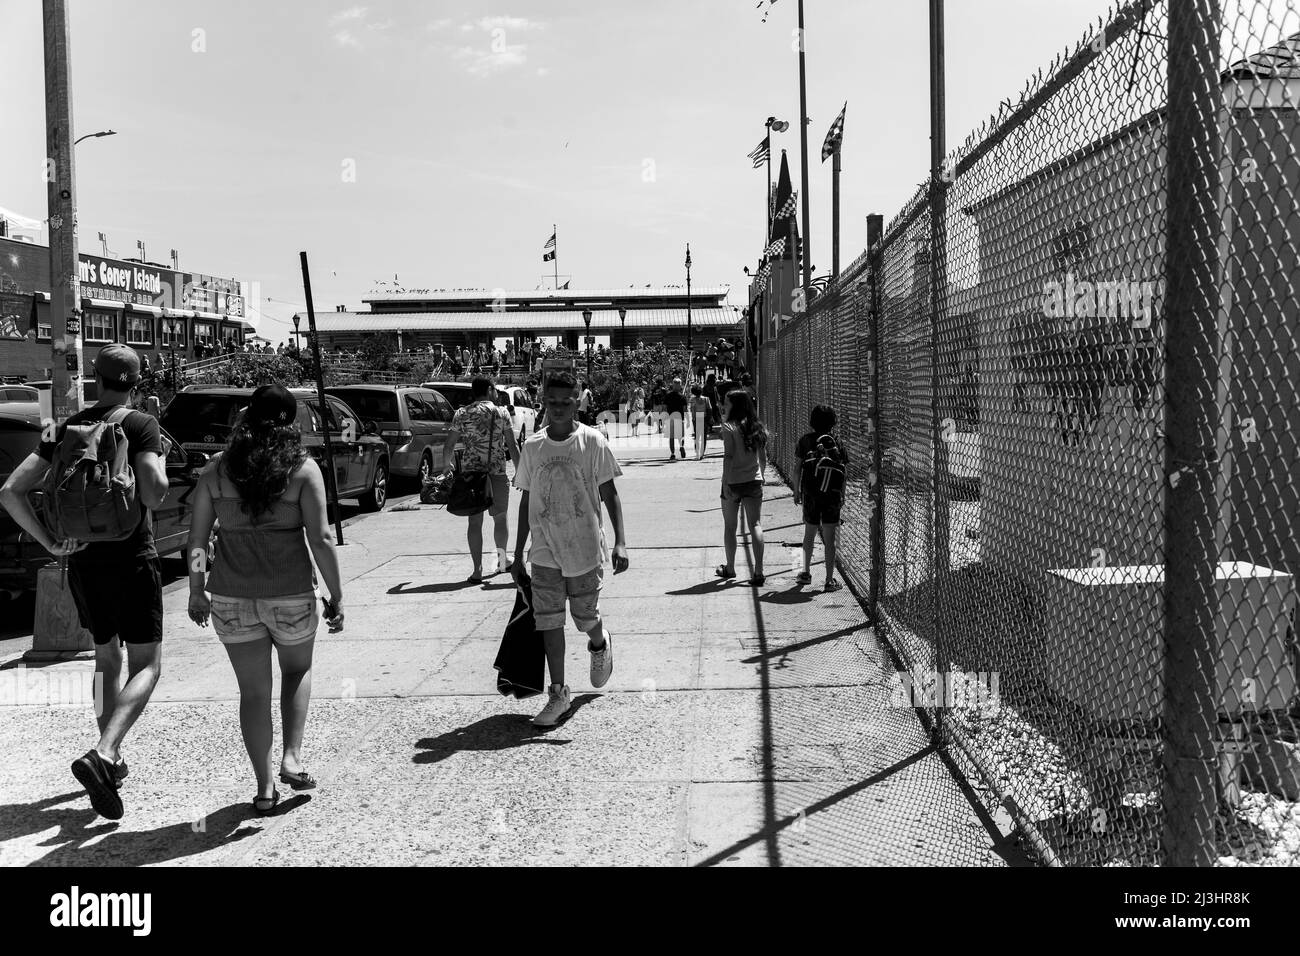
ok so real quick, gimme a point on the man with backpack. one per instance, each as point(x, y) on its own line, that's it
point(819, 486)
point(100, 475)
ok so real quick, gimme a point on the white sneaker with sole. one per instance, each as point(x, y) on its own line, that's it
point(602, 661)
point(557, 705)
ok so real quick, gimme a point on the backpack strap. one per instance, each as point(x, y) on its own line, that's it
point(119, 414)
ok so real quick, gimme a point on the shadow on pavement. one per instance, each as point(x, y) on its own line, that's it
point(431, 588)
point(119, 848)
point(704, 587)
point(498, 732)
point(796, 595)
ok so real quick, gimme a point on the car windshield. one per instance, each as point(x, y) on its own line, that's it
point(197, 414)
point(457, 395)
point(370, 404)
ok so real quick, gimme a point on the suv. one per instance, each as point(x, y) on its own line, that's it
point(413, 421)
point(18, 393)
point(511, 397)
point(203, 416)
point(21, 557)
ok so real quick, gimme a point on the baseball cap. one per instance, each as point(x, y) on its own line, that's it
point(272, 405)
point(118, 366)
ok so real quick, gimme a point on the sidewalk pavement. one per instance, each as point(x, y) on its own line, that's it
point(742, 726)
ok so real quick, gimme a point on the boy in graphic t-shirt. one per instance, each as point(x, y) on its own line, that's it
point(565, 471)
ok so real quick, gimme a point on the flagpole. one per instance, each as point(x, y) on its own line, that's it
point(835, 212)
point(803, 147)
point(767, 236)
point(555, 234)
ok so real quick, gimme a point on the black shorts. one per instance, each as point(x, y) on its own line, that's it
point(821, 511)
point(122, 600)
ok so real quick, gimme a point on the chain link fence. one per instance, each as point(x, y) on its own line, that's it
point(1067, 376)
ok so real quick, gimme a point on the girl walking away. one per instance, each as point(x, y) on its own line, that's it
point(819, 486)
point(744, 461)
point(270, 498)
point(636, 408)
point(701, 418)
point(675, 407)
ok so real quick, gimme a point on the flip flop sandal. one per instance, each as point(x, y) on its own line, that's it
point(301, 780)
point(758, 579)
point(273, 800)
point(475, 579)
point(722, 572)
point(803, 578)
point(833, 585)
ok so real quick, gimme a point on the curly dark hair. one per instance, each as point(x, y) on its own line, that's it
point(260, 460)
point(742, 413)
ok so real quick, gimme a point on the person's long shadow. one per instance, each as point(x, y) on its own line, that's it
point(432, 588)
point(118, 848)
point(796, 595)
point(705, 587)
point(498, 732)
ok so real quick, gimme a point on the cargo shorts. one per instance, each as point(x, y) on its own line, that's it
point(551, 587)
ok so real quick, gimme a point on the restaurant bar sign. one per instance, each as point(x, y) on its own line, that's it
point(123, 281)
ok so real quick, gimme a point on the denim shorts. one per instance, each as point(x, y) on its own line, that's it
point(551, 587)
point(288, 619)
point(740, 490)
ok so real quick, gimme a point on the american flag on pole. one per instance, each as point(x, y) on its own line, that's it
point(835, 135)
point(548, 250)
point(775, 250)
point(761, 153)
point(790, 205)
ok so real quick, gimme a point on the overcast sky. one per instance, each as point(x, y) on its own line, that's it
point(471, 127)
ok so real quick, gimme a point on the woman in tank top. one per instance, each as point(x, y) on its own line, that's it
point(269, 497)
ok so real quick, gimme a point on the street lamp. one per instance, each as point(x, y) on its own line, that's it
point(688, 296)
point(296, 336)
point(622, 326)
point(106, 132)
point(586, 318)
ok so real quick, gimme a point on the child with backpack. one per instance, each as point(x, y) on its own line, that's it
point(101, 472)
point(819, 486)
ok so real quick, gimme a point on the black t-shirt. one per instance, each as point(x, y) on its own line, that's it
point(656, 397)
point(142, 435)
point(675, 402)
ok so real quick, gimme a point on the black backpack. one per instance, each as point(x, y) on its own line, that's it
point(824, 470)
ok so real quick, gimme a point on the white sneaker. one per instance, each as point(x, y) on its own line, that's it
point(602, 662)
point(557, 705)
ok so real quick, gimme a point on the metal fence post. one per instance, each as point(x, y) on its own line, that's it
point(1194, 144)
point(875, 256)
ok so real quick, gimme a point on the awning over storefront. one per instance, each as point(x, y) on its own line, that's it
point(530, 320)
point(112, 304)
point(153, 310)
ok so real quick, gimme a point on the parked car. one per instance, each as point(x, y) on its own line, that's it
point(18, 393)
point(512, 397)
point(202, 417)
point(89, 388)
point(412, 421)
point(21, 557)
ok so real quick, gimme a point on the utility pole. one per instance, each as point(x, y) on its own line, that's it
point(65, 285)
point(688, 296)
point(803, 164)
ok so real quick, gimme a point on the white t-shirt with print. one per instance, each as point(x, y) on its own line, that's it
point(563, 480)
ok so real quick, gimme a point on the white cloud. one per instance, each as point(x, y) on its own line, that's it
point(381, 25)
point(344, 38)
point(508, 23)
point(351, 13)
point(482, 63)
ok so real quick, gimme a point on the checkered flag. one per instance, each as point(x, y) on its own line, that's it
point(775, 250)
point(788, 207)
point(835, 135)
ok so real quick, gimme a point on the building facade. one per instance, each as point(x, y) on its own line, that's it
point(155, 309)
point(422, 318)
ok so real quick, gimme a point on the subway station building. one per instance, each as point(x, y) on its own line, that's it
point(157, 310)
point(468, 317)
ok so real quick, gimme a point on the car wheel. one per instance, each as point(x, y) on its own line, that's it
point(373, 500)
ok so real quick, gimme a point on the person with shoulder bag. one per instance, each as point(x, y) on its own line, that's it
point(269, 495)
point(481, 483)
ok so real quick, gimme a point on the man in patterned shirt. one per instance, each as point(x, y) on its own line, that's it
point(474, 423)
